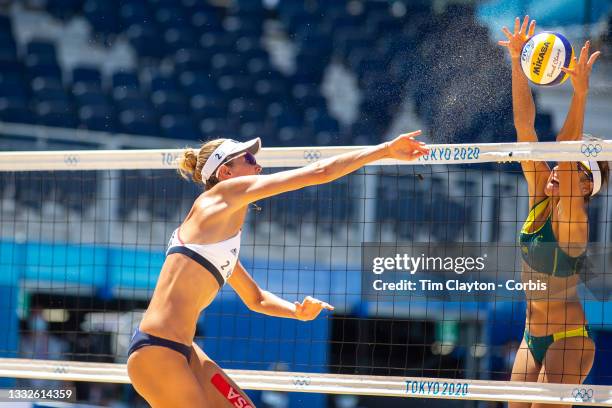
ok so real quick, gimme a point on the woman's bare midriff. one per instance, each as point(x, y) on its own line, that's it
point(556, 309)
point(183, 289)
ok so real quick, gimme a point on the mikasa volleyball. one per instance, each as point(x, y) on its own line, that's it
point(544, 55)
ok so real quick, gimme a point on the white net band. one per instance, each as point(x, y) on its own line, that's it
point(296, 157)
point(419, 387)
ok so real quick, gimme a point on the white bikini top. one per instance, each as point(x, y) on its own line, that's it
point(219, 258)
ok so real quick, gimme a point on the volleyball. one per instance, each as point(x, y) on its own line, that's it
point(544, 55)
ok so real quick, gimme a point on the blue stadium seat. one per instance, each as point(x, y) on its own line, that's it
point(38, 68)
point(320, 121)
point(347, 40)
point(178, 127)
point(306, 70)
point(199, 83)
point(133, 13)
point(375, 7)
point(171, 17)
point(179, 37)
point(217, 43)
point(234, 86)
point(281, 116)
point(169, 102)
point(146, 40)
point(55, 113)
point(97, 117)
point(12, 85)
point(87, 75)
point(162, 3)
point(250, 48)
point(141, 122)
point(8, 48)
point(252, 130)
point(384, 25)
point(15, 110)
point(344, 23)
point(288, 10)
point(5, 23)
point(49, 89)
point(272, 90)
point(44, 50)
point(308, 96)
point(124, 79)
point(262, 68)
point(215, 128)
point(130, 99)
point(88, 94)
point(63, 9)
point(102, 15)
point(197, 5)
point(207, 107)
point(162, 82)
point(245, 26)
point(227, 64)
point(206, 21)
point(14, 67)
point(243, 110)
point(249, 8)
point(293, 137)
point(191, 60)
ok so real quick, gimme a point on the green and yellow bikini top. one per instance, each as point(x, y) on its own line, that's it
point(540, 249)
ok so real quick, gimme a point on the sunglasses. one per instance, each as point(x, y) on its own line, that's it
point(586, 172)
point(248, 157)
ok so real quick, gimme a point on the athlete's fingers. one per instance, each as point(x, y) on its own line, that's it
point(583, 53)
point(517, 25)
point(568, 71)
point(524, 25)
point(532, 26)
point(327, 306)
point(411, 134)
point(593, 58)
point(507, 32)
point(503, 43)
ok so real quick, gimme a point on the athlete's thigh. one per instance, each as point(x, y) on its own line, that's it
point(525, 368)
point(163, 377)
point(219, 389)
point(567, 361)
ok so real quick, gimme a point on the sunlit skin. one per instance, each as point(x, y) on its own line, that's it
point(184, 289)
point(568, 185)
point(552, 185)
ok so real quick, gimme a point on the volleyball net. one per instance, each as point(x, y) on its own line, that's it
point(83, 235)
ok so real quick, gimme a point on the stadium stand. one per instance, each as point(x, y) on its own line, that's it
point(202, 70)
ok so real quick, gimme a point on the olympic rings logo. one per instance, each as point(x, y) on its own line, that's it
point(590, 149)
point(71, 160)
point(60, 369)
point(581, 394)
point(312, 155)
point(301, 381)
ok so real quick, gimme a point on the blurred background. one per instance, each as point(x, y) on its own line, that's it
point(80, 251)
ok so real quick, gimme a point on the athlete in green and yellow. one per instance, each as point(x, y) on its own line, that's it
point(556, 347)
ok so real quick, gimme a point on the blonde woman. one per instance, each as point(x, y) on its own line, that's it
point(166, 367)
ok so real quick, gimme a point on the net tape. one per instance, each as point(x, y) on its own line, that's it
point(296, 156)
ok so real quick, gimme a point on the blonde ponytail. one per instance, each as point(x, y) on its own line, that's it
point(191, 163)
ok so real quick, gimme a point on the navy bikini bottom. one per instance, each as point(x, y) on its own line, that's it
point(142, 339)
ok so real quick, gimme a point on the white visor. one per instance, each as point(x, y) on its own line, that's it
point(592, 167)
point(227, 150)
